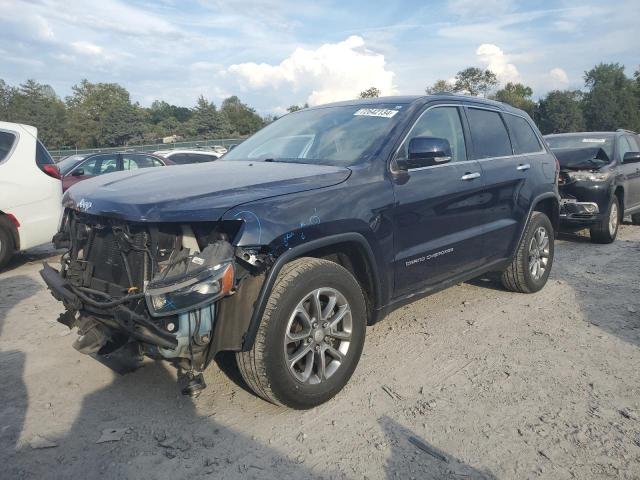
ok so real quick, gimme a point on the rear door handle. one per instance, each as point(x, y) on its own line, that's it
point(470, 176)
point(525, 166)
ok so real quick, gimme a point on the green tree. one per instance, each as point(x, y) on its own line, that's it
point(101, 114)
point(440, 86)
point(207, 121)
point(611, 100)
point(475, 81)
point(36, 104)
point(371, 92)
point(560, 112)
point(161, 110)
point(244, 120)
point(295, 108)
point(6, 94)
point(517, 95)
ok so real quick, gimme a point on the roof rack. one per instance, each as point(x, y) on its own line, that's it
point(626, 131)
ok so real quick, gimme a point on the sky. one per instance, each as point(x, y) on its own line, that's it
point(276, 53)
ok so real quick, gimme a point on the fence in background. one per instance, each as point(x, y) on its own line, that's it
point(152, 147)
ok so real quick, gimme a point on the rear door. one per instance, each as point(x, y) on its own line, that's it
point(505, 167)
point(629, 143)
point(438, 213)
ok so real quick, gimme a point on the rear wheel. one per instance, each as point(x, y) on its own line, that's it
point(531, 265)
point(310, 338)
point(607, 229)
point(7, 246)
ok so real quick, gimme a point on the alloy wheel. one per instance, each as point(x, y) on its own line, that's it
point(613, 219)
point(539, 253)
point(318, 335)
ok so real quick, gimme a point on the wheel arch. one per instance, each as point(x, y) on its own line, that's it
point(619, 193)
point(8, 224)
point(550, 206)
point(351, 250)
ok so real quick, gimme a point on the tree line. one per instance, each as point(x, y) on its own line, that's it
point(103, 115)
point(608, 101)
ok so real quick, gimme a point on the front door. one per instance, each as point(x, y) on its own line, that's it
point(438, 215)
point(631, 171)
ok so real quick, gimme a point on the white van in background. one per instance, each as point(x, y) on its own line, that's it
point(30, 191)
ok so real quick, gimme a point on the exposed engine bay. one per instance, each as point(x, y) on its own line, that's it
point(140, 289)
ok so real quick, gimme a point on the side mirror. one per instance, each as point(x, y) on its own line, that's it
point(426, 152)
point(631, 157)
point(78, 172)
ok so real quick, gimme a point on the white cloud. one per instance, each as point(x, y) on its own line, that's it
point(87, 48)
point(494, 59)
point(559, 76)
point(332, 72)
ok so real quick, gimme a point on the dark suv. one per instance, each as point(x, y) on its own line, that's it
point(599, 180)
point(318, 225)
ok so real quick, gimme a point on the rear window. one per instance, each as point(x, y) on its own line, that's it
point(524, 138)
point(185, 158)
point(7, 140)
point(490, 137)
point(42, 155)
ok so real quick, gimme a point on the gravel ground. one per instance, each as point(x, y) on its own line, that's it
point(473, 382)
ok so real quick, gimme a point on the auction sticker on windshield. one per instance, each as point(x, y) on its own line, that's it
point(594, 140)
point(376, 112)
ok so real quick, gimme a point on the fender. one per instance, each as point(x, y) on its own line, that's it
point(536, 200)
point(297, 252)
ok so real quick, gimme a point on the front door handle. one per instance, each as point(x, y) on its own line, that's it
point(523, 167)
point(470, 176)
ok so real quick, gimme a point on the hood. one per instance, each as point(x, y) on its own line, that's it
point(196, 192)
point(591, 158)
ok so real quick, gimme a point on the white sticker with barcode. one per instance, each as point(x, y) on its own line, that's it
point(376, 112)
point(198, 260)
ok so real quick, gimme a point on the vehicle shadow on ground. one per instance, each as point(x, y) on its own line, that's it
point(414, 457)
point(30, 256)
point(14, 398)
point(163, 435)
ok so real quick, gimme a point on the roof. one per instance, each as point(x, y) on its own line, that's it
point(407, 99)
point(187, 150)
point(580, 134)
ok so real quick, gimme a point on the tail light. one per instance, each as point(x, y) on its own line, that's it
point(51, 170)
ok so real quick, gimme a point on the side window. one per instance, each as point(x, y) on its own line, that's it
point(490, 137)
point(133, 162)
point(440, 122)
point(180, 158)
point(42, 155)
point(98, 165)
point(6, 144)
point(524, 138)
point(623, 147)
point(634, 142)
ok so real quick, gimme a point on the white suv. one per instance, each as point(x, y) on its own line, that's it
point(30, 191)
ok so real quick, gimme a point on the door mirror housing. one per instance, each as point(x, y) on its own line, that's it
point(78, 172)
point(631, 157)
point(426, 152)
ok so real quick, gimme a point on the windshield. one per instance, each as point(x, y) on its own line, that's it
point(66, 165)
point(604, 142)
point(340, 135)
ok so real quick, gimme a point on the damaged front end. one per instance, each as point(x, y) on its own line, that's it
point(140, 289)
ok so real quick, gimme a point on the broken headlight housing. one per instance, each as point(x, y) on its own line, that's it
point(210, 284)
point(584, 175)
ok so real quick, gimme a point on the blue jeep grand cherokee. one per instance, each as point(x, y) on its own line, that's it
point(318, 225)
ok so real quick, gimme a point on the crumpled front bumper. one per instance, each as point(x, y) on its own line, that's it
point(119, 317)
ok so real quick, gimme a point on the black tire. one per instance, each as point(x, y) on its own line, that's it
point(518, 277)
point(635, 218)
point(265, 367)
point(602, 232)
point(7, 246)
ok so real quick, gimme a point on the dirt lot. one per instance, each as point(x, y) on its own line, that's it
point(473, 382)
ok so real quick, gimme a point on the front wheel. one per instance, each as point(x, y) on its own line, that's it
point(310, 338)
point(607, 229)
point(531, 265)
